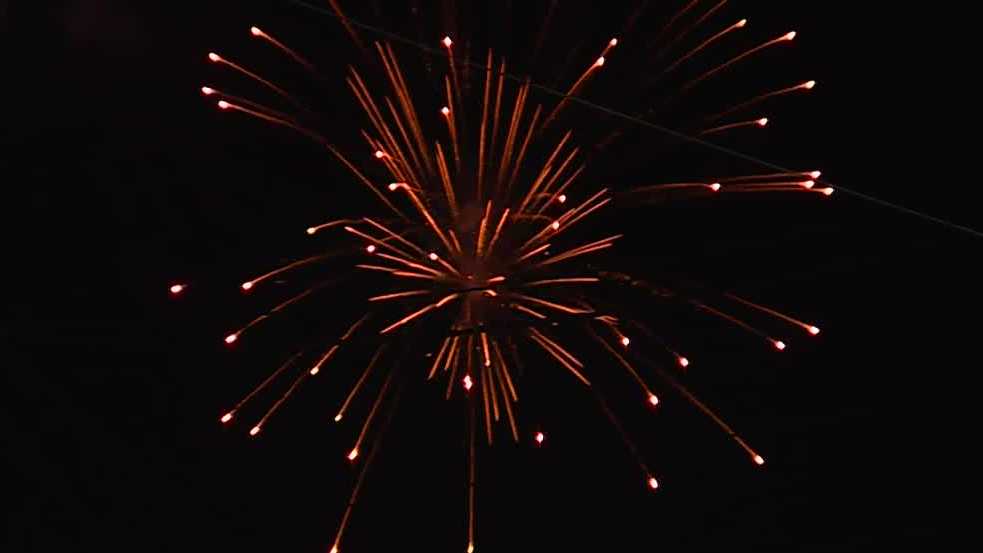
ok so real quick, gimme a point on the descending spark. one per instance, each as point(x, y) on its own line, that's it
point(745, 186)
point(676, 17)
point(787, 37)
point(262, 385)
point(813, 174)
point(524, 309)
point(505, 372)
point(370, 417)
point(395, 295)
point(683, 391)
point(418, 313)
point(266, 110)
point(225, 105)
point(676, 186)
point(316, 228)
point(394, 236)
point(257, 32)
point(568, 280)
point(552, 305)
point(437, 359)
point(212, 56)
point(761, 122)
point(358, 384)
point(346, 23)
point(575, 87)
point(276, 405)
point(624, 437)
point(740, 24)
point(628, 366)
point(808, 85)
point(779, 345)
point(568, 361)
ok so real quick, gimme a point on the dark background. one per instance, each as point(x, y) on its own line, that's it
point(121, 179)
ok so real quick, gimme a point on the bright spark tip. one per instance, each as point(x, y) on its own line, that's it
point(467, 382)
point(790, 36)
point(762, 122)
point(470, 548)
point(625, 341)
point(311, 230)
point(254, 430)
point(715, 187)
point(255, 31)
point(214, 57)
point(613, 42)
point(808, 85)
point(815, 174)
point(207, 91)
point(445, 110)
point(599, 62)
point(683, 362)
point(231, 338)
point(562, 198)
point(540, 437)
point(555, 225)
point(353, 454)
point(226, 417)
point(394, 185)
point(379, 154)
point(808, 183)
point(814, 330)
point(653, 483)
point(247, 285)
point(447, 42)
point(176, 289)
point(432, 256)
point(759, 460)
point(334, 549)
point(223, 104)
point(653, 400)
point(315, 370)
point(741, 23)
point(779, 345)
point(828, 191)
point(337, 418)
point(370, 248)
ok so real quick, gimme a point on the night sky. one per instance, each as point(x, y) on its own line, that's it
point(122, 179)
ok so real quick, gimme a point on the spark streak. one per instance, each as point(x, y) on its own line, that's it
point(219, 59)
point(761, 122)
point(811, 329)
point(257, 32)
point(761, 97)
point(787, 37)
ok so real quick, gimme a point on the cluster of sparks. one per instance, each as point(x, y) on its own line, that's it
point(489, 244)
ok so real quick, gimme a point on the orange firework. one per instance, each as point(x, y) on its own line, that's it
point(478, 244)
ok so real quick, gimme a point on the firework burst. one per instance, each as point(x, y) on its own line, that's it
point(478, 244)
